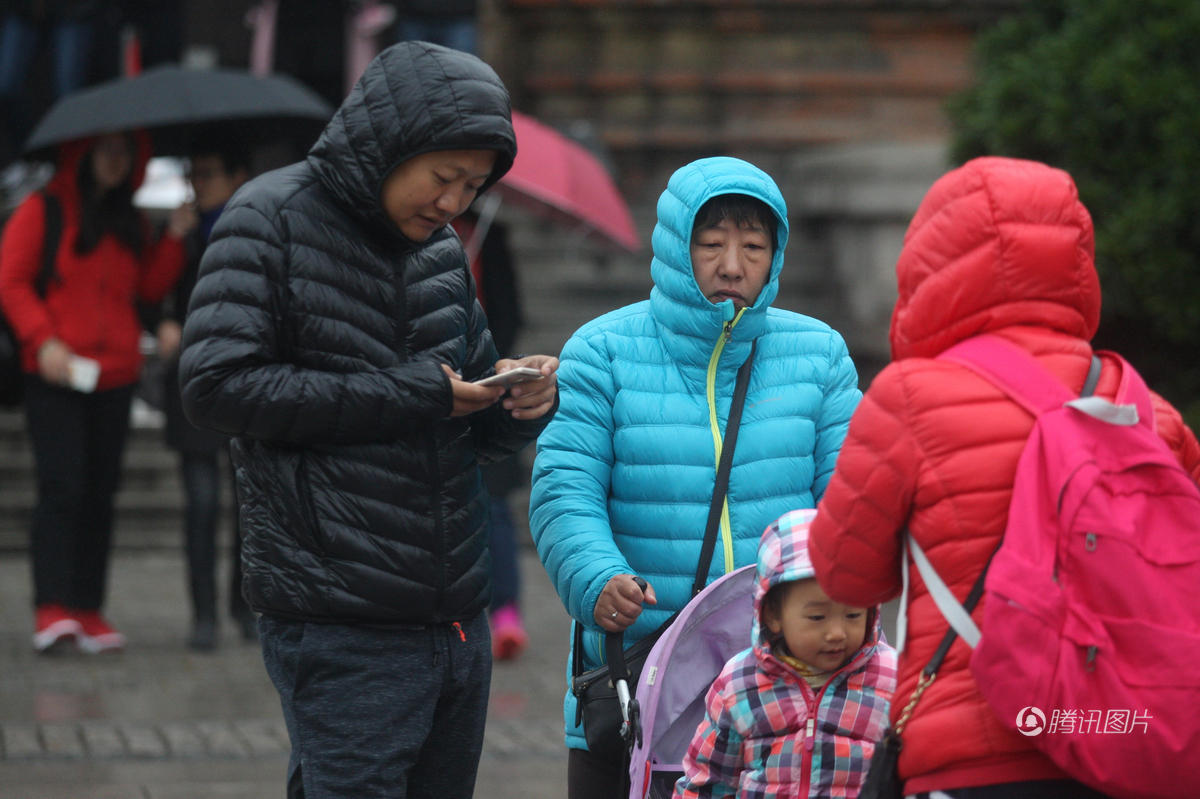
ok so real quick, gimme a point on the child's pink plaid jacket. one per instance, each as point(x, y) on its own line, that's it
point(766, 732)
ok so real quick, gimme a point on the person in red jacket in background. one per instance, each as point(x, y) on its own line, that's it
point(80, 353)
point(999, 246)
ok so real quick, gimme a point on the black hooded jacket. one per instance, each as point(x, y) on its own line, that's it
point(315, 336)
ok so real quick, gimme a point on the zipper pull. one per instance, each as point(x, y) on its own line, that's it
point(458, 628)
point(728, 331)
point(809, 729)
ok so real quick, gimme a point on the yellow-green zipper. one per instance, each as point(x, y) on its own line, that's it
point(718, 442)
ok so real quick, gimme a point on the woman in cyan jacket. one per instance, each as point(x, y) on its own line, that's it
point(998, 246)
point(624, 473)
point(105, 262)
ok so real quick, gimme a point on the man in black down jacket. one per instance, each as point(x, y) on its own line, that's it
point(333, 332)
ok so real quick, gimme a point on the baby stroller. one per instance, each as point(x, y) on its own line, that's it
point(680, 668)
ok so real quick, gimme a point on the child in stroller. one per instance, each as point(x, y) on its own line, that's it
point(796, 714)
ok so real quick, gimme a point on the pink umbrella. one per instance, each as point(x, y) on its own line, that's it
point(553, 176)
point(560, 179)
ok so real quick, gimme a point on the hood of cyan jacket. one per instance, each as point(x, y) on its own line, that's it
point(676, 299)
point(64, 183)
point(995, 243)
point(783, 557)
point(413, 98)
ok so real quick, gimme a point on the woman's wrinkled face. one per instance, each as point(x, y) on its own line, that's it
point(731, 262)
point(112, 160)
point(425, 192)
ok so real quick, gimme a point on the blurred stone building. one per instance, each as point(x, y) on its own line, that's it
point(840, 100)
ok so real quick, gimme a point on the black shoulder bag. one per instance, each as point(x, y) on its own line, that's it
point(596, 703)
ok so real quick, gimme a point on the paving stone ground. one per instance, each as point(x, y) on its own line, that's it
point(160, 722)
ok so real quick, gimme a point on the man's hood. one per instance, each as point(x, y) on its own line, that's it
point(995, 243)
point(413, 98)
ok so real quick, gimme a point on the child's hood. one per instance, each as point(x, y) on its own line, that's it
point(783, 557)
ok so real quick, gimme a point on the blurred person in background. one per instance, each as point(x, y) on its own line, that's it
point(310, 44)
point(62, 29)
point(496, 286)
point(446, 22)
point(79, 339)
point(218, 169)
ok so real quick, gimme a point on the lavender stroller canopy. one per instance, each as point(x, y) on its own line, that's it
point(713, 627)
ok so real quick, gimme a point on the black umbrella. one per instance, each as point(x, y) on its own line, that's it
point(173, 104)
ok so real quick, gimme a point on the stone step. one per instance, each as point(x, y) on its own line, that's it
point(145, 518)
point(147, 465)
point(149, 502)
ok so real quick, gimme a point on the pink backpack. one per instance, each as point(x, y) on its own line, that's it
point(1091, 625)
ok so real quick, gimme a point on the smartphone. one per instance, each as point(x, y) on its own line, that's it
point(83, 373)
point(513, 376)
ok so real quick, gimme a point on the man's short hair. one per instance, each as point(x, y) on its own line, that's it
point(742, 210)
point(232, 155)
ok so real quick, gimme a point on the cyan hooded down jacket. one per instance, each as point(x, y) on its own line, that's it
point(316, 335)
point(624, 473)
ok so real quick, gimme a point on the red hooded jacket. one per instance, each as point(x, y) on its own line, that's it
point(999, 246)
point(91, 304)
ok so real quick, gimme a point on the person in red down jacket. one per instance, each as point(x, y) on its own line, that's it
point(80, 353)
point(998, 246)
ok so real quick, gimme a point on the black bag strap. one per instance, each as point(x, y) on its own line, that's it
point(50, 239)
point(720, 487)
point(969, 604)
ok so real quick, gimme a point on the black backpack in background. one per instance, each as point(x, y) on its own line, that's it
point(11, 378)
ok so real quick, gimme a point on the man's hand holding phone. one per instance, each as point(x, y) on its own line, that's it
point(531, 399)
point(469, 397)
point(521, 374)
point(530, 383)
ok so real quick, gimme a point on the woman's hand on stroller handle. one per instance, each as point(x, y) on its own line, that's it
point(620, 603)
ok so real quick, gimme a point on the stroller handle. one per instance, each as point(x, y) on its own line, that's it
point(618, 672)
point(614, 648)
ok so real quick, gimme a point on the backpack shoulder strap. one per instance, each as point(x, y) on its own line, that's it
point(50, 239)
point(1133, 391)
point(1012, 370)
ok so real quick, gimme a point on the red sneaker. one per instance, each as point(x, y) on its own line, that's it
point(97, 634)
point(54, 628)
point(509, 638)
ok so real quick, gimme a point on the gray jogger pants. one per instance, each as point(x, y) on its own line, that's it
point(395, 713)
